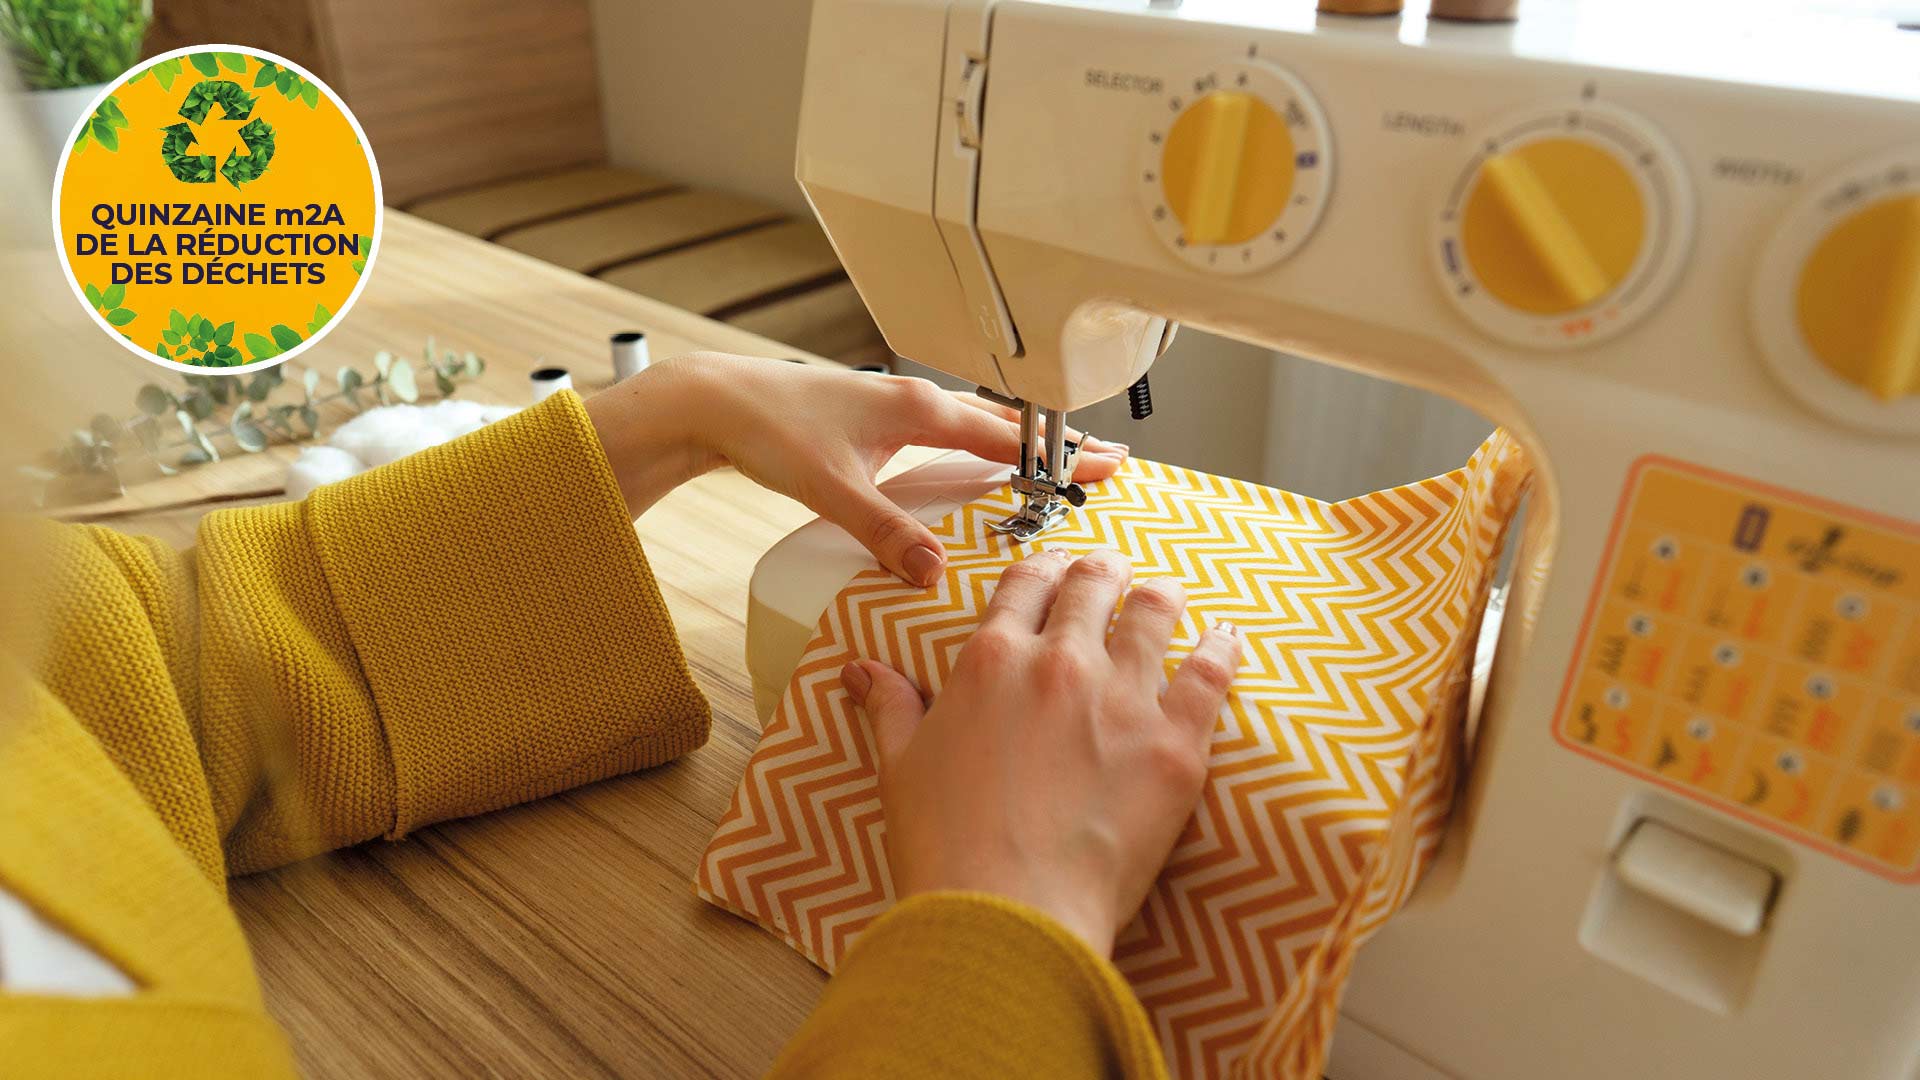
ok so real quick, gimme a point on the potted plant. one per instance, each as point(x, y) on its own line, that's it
point(65, 50)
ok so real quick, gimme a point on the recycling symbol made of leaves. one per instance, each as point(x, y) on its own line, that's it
point(256, 135)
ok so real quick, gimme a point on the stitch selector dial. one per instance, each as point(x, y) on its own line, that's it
point(1236, 167)
point(1564, 228)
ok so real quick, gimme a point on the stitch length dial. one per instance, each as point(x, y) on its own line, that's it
point(1235, 167)
point(1565, 227)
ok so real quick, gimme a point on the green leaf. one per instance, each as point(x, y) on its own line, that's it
point(445, 384)
point(260, 347)
point(234, 61)
point(94, 296)
point(86, 136)
point(206, 64)
point(228, 354)
point(350, 380)
point(178, 322)
point(167, 71)
point(113, 296)
point(285, 82)
point(104, 134)
point(156, 400)
point(201, 405)
point(171, 337)
point(310, 94)
point(224, 334)
point(247, 435)
point(120, 316)
point(112, 110)
point(285, 336)
point(268, 71)
point(400, 378)
point(161, 351)
point(147, 432)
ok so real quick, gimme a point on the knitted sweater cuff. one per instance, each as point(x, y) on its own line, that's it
point(961, 984)
point(504, 613)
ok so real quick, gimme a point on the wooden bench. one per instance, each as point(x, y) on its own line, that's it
point(493, 127)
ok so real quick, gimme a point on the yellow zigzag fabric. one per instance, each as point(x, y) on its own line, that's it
point(1332, 765)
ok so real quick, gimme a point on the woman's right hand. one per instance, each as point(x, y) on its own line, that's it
point(1052, 769)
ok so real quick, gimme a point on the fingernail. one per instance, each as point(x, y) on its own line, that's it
point(857, 681)
point(1226, 627)
point(922, 565)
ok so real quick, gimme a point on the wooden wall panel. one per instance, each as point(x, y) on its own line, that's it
point(455, 93)
point(452, 93)
point(287, 27)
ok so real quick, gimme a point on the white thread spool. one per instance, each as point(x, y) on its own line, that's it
point(548, 381)
point(629, 354)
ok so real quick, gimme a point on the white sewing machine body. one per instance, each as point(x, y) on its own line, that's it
point(988, 174)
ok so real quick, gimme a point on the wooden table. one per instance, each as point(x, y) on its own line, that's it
point(560, 938)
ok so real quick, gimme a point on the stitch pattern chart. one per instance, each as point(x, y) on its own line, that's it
point(1759, 650)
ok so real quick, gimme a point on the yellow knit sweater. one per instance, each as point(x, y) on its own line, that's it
point(467, 629)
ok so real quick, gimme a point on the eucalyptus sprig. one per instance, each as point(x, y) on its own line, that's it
point(175, 429)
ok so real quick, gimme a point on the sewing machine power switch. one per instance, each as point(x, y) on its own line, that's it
point(1701, 879)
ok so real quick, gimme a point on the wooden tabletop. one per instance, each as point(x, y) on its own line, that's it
point(561, 938)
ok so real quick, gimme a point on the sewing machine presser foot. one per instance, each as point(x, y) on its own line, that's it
point(1047, 489)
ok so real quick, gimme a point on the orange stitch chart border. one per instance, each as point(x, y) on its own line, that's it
point(1595, 598)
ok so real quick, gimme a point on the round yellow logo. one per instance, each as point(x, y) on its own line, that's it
point(218, 208)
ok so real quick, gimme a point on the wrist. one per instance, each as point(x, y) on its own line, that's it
point(650, 430)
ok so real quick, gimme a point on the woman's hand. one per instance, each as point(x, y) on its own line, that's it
point(1051, 769)
point(816, 434)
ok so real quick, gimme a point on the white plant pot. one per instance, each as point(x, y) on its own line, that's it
point(55, 112)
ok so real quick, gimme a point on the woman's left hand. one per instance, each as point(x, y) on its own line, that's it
point(816, 434)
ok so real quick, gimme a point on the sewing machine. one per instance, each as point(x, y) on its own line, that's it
point(1676, 249)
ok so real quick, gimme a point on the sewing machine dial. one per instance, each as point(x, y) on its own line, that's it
point(1836, 301)
point(1235, 167)
point(1565, 227)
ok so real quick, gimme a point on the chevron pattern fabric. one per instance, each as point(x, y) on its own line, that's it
point(1332, 767)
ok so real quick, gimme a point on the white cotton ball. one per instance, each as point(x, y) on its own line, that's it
point(388, 433)
point(319, 465)
point(391, 432)
point(385, 434)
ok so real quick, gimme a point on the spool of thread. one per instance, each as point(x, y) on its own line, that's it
point(548, 381)
point(1476, 10)
point(1360, 7)
point(629, 354)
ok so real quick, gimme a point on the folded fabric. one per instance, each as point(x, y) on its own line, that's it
point(1332, 766)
